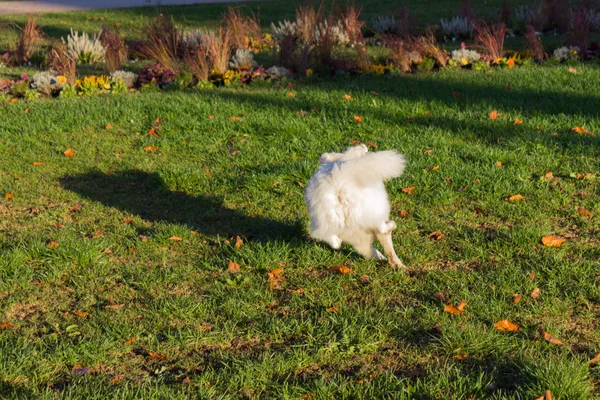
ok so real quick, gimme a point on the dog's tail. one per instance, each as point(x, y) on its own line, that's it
point(375, 167)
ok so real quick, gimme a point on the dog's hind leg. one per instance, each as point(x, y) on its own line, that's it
point(384, 235)
point(363, 243)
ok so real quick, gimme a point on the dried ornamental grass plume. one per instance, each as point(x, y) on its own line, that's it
point(198, 62)
point(243, 58)
point(219, 49)
point(458, 27)
point(162, 44)
point(116, 49)
point(491, 38)
point(60, 61)
point(307, 19)
point(580, 30)
point(28, 40)
point(241, 28)
point(333, 28)
point(349, 18)
point(192, 39)
point(534, 43)
point(84, 49)
point(465, 56)
point(326, 41)
point(399, 51)
point(48, 82)
point(284, 28)
point(427, 47)
point(127, 77)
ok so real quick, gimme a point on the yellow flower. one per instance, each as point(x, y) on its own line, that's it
point(463, 61)
point(61, 79)
point(309, 72)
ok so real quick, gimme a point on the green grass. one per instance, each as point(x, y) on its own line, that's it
point(231, 335)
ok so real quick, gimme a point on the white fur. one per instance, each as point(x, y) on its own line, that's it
point(347, 201)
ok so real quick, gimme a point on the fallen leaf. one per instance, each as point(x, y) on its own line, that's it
point(175, 238)
point(583, 212)
point(274, 278)
point(14, 100)
point(358, 118)
point(364, 279)
point(580, 129)
point(211, 117)
point(532, 275)
point(460, 357)
point(514, 197)
point(434, 168)
point(108, 127)
point(440, 296)
point(549, 338)
point(548, 175)
point(291, 94)
point(499, 164)
point(518, 121)
point(236, 118)
point(409, 190)
point(238, 242)
point(595, 359)
point(297, 291)
point(552, 241)
point(26, 111)
point(516, 298)
point(535, 293)
point(81, 314)
point(302, 113)
point(116, 379)
point(341, 269)
point(107, 251)
point(143, 238)
point(371, 144)
point(478, 211)
point(157, 356)
point(131, 340)
point(79, 370)
point(435, 236)
point(493, 115)
point(114, 306)
point(458, 310)
point(347, 97)
point(6, 325)
point(429, 151)
point(186, 380)
point(150, 149)
point(127, 220)
point(69, 153)
point(9, 195)
point(37, 163)
point(404, 214)
point(506, 325)
point(132, 250)
point(152, 132)
point(374, 93)
point(52, 245)
point(448, 180)
point(233, 267)
point(157, 121)
point(572, 70)
point(333, 309)
point(75, 207)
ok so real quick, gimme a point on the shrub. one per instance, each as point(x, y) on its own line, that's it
point(293, 55)
point(534, 43)
point(240, 28)
point(283, 29)
point(465, 56)
point(580, 30)
point(242, 59)
point(28, 40)
point(335, 29)
point(427, 47)
point(116, 50)
point(128, 78)
point(566, 53)
point(163, 43)
point(60, 61)
point(84, 49)
point(491, 38)
point(458, 27)
point(156, 74)
point(399, 52)
point(48, 82)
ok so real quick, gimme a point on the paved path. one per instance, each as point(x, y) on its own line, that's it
point(45, 6)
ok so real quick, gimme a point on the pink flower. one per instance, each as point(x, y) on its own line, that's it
point(463, 46)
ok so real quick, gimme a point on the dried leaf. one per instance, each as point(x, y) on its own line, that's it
point(341, 269)
point(458, 310)
point(518, 121)
point(516, 298)
point(493, 115)
point(210, 117)
point(75, 207)
point(535, 293)
point(371, 144)
point(583, 212)
point(552, 241)
point(234, 118)
point(434, 168)
point(478, 211)
point(358, 118)
point(499, 164)
point(581, 130)
point(429, 151)
point(238, 242)
point(275, 279)
point(9, 195)
point(108, 127)
point(595, 359)
point(302, 113)
point(186, 380)
point(549, 338)
point(532, 275)
point(233, 267)
point(435, 236)
point(448, 180)
point(150, 149)
point(514, 197)
point(114, 306)
point(107, 251)
point(6, 325)
point(548, 175)
point(127, 220)
point(152, 132)
point(347, 97)
point(460, 357)
point(37, 163)
point(175, 238)
point(79, 370)
point(81, 314)
point(440, 296)
point(409, 190)
point(143, 238)
point(131, 340)
point(52, 245)
point(157, 121)
point(116, 379)
point(26, 111)
point(291, 94)
point(364, 279)
point(506, 325)
point(333, 309)
point(374, 93)
point(572, 70)
point(157, 356)
point(69, 153)
point(404, 214)
point(510, 62)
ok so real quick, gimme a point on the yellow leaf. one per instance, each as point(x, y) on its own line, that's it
point(210, 117)
point(514, 197)
point(157, 356)
point(358, 118)
point(595, 359)
point(549, 338)
point(516, 298)
point(435, 168)
point(175, 238)
point(238, 242)
point(347, 97)
point(510, 62)
point(236, 118)
point(291, 94)
point(81, 314)
point(458, 310)
point(499, 164)
point(69, 153)
point(333, 309)
point(37, 163)
point(341, 269)
point(274, 278)
point(506, 325)
point(460, 357)
point(52, 245)
point(549, 175)
point(409, 190)
point(233, 267)
point(535, 293)
point(435, 236)
point(127, 220)
point(6, 325)
point(131, 340)
point(493, 115)
point(518, 121)
point(108, 127)
point(552, 241)
point(580, 129)
point(428, 151)
point(150, 149)
point(9, 195)
point(572, 70)
point(583, 212)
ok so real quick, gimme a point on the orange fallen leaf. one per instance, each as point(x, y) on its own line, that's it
point(506, 325)
point(238, 242)
point(547, 396)
point(233, 267)
point(347, 97)
point(580, 129)
point(75, 207)
point(69, 153)
point(479, 211)
point(358, 118)
point(532, 275)
point(291, 94)
point(186, 380)
point(595, 359)
point(37, 163)
point(108, 127)
point(6, 325)
point(499, 164)
point(114, 306)
point(535, 293)
point(107, 251)
point(14, 100)
point(275, 279)
point(548, 175)
point(131, 340)
point(150, 149)
point(516, 298)
point(583, 212)
point(116, 379)
point(431, 169)
point(9, 195)
point(549, 338)
point(572, 70)
point(127, 220)
point(152, 132)
point(429, 151)
point(409, 190)
point(133, 250)
point(404, 214)
point(211, 117)
point(333, 309)
point(460, 357)
point(371, 144)
point(435, 236)
point(81, 314)
point(157, 121)
point(493, 115)
point(235, 118)
point(455, 310)
point(52, 245)
point(157, 356)
point(552, 241)
point(143, 238)
point(514, 197)
point(341, 269)
point(26, 110)
point(175, 238)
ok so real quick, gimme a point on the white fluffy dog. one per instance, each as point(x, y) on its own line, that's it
point(347, 201)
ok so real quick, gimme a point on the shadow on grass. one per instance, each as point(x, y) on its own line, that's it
point(145, 194)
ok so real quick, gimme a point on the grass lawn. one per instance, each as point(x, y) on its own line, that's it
point(87, 260)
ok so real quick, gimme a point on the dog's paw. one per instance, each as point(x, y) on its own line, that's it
point(395, 262)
